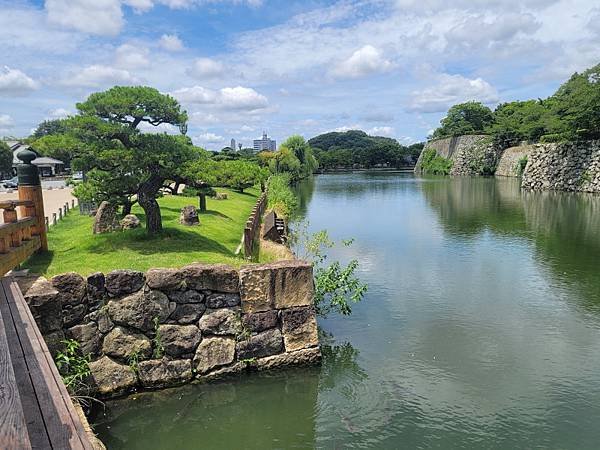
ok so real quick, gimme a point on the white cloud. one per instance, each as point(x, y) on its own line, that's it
point(171, 42)
point(162, 128)
point(98, 76)
point(206, 68)
point(103, 17)
point(230, 98)
point(130, 56)
point(139, 6)
point(203, 119)
point(449, 90)
point(6, 123)
point(59, 113)
point(365, 61)
point(247, 128)
point(13, 82)
point(208, 138)
point(381, 131)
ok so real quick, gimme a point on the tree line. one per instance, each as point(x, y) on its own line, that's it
point(571, 113)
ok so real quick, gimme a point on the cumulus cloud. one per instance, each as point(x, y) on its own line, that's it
point(230, 98)
point(129, 56)
point(170, 42)
point(449, 90)
point(13, 82)
point(381, 131)
point(206, 68)
point(98, 76)
point(139, 6)
point(103, 17)
point(208, 138)
point(365, 61)
point(59, 113)
point(6, 123)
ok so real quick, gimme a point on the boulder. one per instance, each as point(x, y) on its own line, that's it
point(306, 356)
point(260, 345)
point(122, 343)
point(179, 340)
point(111, 378)
point(187, 313)
point(221, 300)
point(214, 352)
point(71, 288)
point(157, 373)
point(124, 281)
point(130, 221)
point(257, 322)
point(45, 305)
point(140, 310)
point(165, 279)
point(88, 337)
point(186, 296)
point(103, 321)
point(72, 315)
point(105, 220)
point(221, 196)
point(189, 216)
point(214, 277)
point(220, 321)
point(95, 288)
point(299, 327)
point(255, 288)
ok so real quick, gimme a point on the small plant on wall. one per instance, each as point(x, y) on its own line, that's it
point(74, 367)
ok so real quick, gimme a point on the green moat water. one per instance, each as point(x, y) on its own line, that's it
point(481, 329)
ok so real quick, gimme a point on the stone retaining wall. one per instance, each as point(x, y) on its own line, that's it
point(508, 166)
point(170, 326)
point(569, 166)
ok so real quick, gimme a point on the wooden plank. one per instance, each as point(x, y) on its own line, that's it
point(9, 204)
point(17, 255)
point(34, 420)
point(25, 222)
point(13, 429)
point(62, 422)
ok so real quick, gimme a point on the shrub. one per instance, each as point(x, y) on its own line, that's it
point(432, 163)
point(280, 196)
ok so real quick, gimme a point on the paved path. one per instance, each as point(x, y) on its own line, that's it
point(54, 199)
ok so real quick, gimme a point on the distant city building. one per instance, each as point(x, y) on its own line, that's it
point(233, 144)
point(265, 143)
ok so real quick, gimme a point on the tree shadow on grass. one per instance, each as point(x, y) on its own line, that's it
point(39, 262)
point(173, 213)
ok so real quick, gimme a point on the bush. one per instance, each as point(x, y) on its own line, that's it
point(432, 163)
point(280, 196)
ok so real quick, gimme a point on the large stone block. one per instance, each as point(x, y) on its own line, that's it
point(55, 342)
point(124, 281)
point(187, 313)
point(222, 300)
point(122, 343)
point(306, 356)
point(221, 322)
point(71, 287)
point(140, 310)
point(186, 296)
point(299, 327)
point(214, 352)
point(88, 337)
point(96, 289)
point(72, 315)
point(111, 378)
point(256, 291)
point(45, 305)
point(157, 373)
point(165, 279)
point(257, 322)
point(214, 277)
point(263, 344)
point(293, 284)
point(179, 340)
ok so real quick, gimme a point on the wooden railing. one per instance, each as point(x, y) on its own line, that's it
point(24, 229)
point(253, 224)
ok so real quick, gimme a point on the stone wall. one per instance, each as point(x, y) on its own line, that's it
point(570, 166)
point(170, 326)
point(469, 153)
point(508, 166)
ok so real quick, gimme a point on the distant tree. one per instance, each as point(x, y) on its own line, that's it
point(465, 118)
point(60, 146)
point(285, 161)
point(240, 175)
point(49, 127)
point(6, 159)
point(520, 121)
point(303, 152)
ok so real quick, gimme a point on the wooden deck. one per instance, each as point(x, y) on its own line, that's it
point(36, 411)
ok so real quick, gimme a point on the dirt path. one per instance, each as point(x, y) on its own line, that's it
point(54, 199)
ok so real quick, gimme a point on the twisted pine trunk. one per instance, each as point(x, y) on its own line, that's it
point(146, 194)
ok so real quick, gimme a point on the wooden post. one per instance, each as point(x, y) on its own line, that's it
point(30, 188)
point(53, 218)
point(47, 223)
point(60, 214)
point(73, 203)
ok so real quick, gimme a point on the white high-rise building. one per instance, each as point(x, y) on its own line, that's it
point(233, 144)
point(265, 143)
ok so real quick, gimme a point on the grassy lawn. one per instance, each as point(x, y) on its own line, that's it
point(73, 247)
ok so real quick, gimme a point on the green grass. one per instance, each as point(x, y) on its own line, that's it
point(73, 247)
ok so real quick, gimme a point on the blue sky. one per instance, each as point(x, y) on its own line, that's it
point(389, 67)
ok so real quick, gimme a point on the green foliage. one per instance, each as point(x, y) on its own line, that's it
point(303, 152)
point(337, 287)
point(520, 121)
point(159, 349)
point(49, 127)
point(464, 118)
point(240, 174)
point(60, 146)
point(432, 163)
point(73, 366)
point(356, 148)
point(521, 164)
point(285, 161)
point(280, 196)
point(6, 158)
